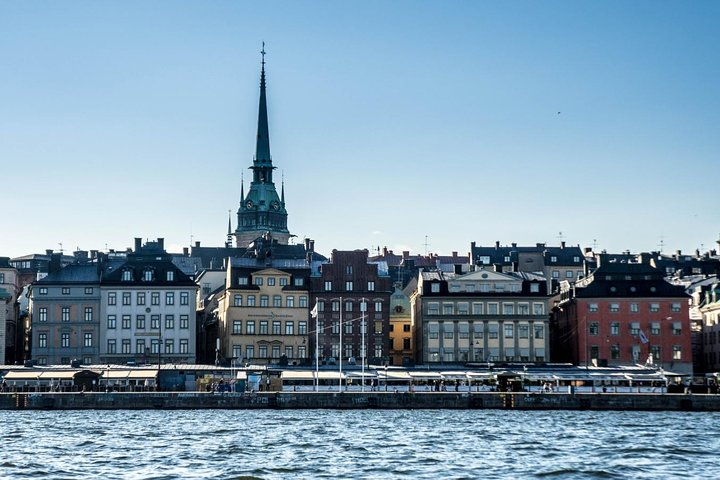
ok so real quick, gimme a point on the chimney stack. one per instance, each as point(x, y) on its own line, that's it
point(138, 244)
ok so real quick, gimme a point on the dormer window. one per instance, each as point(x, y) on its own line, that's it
point(553, 259)
point(127, 275)
point(148, 275)
point(170, 276)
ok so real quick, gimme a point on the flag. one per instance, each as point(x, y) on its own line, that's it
point(643, 338)
point(314, 311)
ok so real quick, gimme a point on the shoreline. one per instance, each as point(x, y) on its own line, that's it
point(358, 400)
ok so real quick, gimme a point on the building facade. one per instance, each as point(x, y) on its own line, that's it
point(11, 328)
point(480, 317)
point(352, 296)
point(401, 329)
point(148, 308)
point(710, 336)
point(623, 314)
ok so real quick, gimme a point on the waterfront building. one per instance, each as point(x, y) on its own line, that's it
point(264, 310)
point(401, 326)
point(347, 290)
point(262, 209)
point(212, 286)
point(404, 268)
point(710, 337)
point(623, 313)
point(11, 328)
point(556, 264)
point(148, 308)
point(65, 315)
point(481, 316)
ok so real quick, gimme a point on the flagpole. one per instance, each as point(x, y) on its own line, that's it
point(363, 306)
point(341, 352)
point(314, 314)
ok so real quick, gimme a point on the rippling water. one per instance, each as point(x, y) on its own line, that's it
point(358, 444)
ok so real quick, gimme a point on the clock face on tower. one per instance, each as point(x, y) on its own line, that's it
point(275, 205)
point(249, 204)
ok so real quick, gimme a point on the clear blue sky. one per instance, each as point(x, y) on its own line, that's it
point(392, 121)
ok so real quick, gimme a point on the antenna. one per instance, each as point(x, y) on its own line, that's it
point(426, 245)
point(61, 249)
point(594, 244)
point(662, 243)
point(560, 236)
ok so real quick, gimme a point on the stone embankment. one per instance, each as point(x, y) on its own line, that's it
point(358, 400)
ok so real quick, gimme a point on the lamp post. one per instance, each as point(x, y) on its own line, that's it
point(363, 307)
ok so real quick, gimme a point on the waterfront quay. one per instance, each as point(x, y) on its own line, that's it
point(358, 400)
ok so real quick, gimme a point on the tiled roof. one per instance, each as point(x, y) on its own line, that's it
point(73, 273)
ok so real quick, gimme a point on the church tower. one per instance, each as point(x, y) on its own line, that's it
point(262, 210)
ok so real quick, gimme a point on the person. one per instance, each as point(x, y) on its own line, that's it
point(4, 385)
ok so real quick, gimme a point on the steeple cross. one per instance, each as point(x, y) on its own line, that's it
point(263, 54)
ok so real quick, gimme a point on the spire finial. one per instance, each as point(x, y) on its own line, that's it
point(263, 55)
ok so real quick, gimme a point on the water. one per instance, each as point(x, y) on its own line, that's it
point(373, 444)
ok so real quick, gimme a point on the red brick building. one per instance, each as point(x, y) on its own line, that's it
point(623, 314)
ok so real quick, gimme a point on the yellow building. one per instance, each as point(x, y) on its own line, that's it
point(401, 329)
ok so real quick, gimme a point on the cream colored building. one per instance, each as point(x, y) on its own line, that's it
point(264, 313)
point(401, 329)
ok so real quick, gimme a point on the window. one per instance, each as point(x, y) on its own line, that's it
point(635, 328)
point(523, 331)
point(614, 307)
point(112, 298)
point(250, 352)
point(140, 346)
point(140, 298)
point(634, 307)
point(237, 300)
point(111, 322)
point(371, 286)
point(348, 327)
point(593, 329)
point(348, 306)
point(615, 352)
point(283, 281)
point(148, 275)
point(140, 322)
point(448, 309)
point(184, 345)
point(126, 346)
point(477, 308)
point(677, 352)
point(170, 276)
point(523, 309)
point(303, 301)
point(433, 308)
point(126, 276)
point(492, 308)
point(126, 320)
point(184, 298)
point(277, 301)
point(184, 322)
point(654, 328)
point(435, 287)
point(65, 340)
point(155, 346)
point(242, 281)
point(250, 327)
point(66, 290)
point(289, 352)
point(555, 274)
point(677, 328)
point(111, 346)
point(289, 328)
point(42, 340)
point(65, 314)
point(271, 281)
point(675, 307)
point(155, 322)
point(470, 287)
point(169, 298)
point(169, 345)
point(43, 291)
point(251, 300)
point(88, 339)
point(378, 350)
point(276, 327)
point(237, 327)
point(553, 259)
point(378, 328)
point(155, 298)
point(454, 288)
point(569, 274)
point(42, 314)
point(348, 286)
point(463, 308)
point(615, 328)
point(593, 307)
point(328, 286)
point(170, 322)
point(302, 351)
point(508, 309)
point(538, 309)
point(348, 269)
point(378, 306)
point(263, 327)
point(126, 298)
point(264, 301)
point(258, 281)
point(262, 351)
point(290, 301)
point(539, 331)
point(493, 331)
point(508, 330)
point(654, 307)
point(88, 290)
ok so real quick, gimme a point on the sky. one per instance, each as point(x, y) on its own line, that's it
point(412, 125)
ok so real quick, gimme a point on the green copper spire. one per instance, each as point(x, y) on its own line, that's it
point(262, 150)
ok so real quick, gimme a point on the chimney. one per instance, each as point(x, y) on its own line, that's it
point(454, 254)
point(49, 253)
point(587, 250)
point(186, 251)
point(93, 254)
point(540, 245)
point(678, 253)
point(312, 245)
point(472, 245)
point(562, 244)
point(514, 245)
point(161, 243)
point(601, 259)
point(197, 244)
point(406, 253)
point(306, 243)
point(497, 244)
point(138, 244)
point(497, 267)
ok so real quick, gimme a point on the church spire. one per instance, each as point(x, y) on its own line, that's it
point(228, 241)
point(262, 149)
point(282, 189)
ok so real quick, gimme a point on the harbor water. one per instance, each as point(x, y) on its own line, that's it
point(246, 444)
